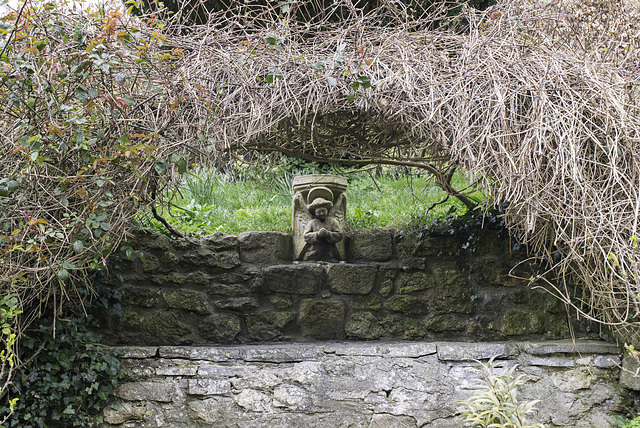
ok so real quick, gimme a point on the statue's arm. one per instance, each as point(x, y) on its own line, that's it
point(310, 235)
point(336, 233)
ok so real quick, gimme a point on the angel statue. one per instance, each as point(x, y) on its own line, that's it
point(321, 225)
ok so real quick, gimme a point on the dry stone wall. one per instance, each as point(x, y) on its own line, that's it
point(225, 289)
point(359, 384)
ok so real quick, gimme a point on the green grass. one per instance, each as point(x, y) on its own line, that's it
point(209, 201)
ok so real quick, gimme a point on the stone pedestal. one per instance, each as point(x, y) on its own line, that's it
point(306, 190)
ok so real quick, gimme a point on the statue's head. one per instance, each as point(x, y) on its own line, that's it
point(320, 208)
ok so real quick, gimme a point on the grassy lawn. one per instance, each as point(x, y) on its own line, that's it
point(208, 201)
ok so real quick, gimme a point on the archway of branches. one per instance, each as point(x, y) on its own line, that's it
point(537, 102)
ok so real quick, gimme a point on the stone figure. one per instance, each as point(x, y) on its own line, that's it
point(319, 207)
point(323, 232)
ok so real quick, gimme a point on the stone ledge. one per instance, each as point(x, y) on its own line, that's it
point(446, 351)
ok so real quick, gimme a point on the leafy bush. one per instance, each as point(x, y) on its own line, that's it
point(494, 403)
point(68, 379)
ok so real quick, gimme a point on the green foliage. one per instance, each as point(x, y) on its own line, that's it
point(623, 422)
point(233, 202)
point(494, 403)
point(68, 380)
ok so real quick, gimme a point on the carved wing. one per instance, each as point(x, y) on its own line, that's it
point(339, 210)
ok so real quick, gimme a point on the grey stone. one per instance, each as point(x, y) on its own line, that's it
point(208, 386)
point(138, 351)
point(164, 391)
point(475, 351)
point(351, 279)
point(551, 361)
point(605, 362)
point(264, 326)
point(237, 303)
point(322, 319)
point(363, 325)
point(415, 281)
point(141, 297)
point(265, 247)
point(220, 241)
point(371, 246)
point(300, 278)
point(569, 346)
point(630, 374)
point(189, 300)
point(221, 328)
point(120, 413)
point(385, 420)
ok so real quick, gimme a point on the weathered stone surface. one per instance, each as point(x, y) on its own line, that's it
point(265, 247)
point(300, 278)
point(375, 246)
point(521, 323)
point(268, 325)
point(357, 384)
point(222, 328)
point(124, 412)
point(415, 281)
point(351, 279)
point(190, 300)
point(164, 327)
point(447, 322)
point(475, 351)
point(220, 241)
point(322, 319)
point(140, 297)
point(164, 391)
point(410, 305)
point(630, 376)
point(138, 351)
point(363, 325)
point(238, 303)
point(208, 386)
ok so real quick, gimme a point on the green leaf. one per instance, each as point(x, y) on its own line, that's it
point(78, 246)
point(270, 78)
point(105, 226)
point(63, 275)
point(160, 167)
point(82, 94)
point(68, 265)
point(332, 80)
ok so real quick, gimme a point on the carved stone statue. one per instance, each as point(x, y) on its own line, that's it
point(319, 208)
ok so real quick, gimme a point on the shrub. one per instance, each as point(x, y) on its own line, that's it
point(494, 403)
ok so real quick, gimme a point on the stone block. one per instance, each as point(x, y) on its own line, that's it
point(300, 278)
point(265, 247)
point(630, 375)
point(351, 279)
point(140, 297)
point(165, 391)
point(475, 351)
point(385, 420)
point(234, 290)
point(322, 319)
point(237, 303)
point(415, 281)
point(387, 281)
point(268, 325)
point(376, 246)
point(138, 352)
point(363, 325)
point(208, 387)
point(515, 323)
point(189, 300)
point(408, 305)
point(220, 328)
point(120, 413)
point(220, 241)
point(446, 323)
point(569, 346)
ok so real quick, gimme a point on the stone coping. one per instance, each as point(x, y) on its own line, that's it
point(445, 351)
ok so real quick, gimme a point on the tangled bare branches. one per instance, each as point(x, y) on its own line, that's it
point(540, 100)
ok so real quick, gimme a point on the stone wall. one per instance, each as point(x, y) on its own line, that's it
point(359, 384)
point(444, 285)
